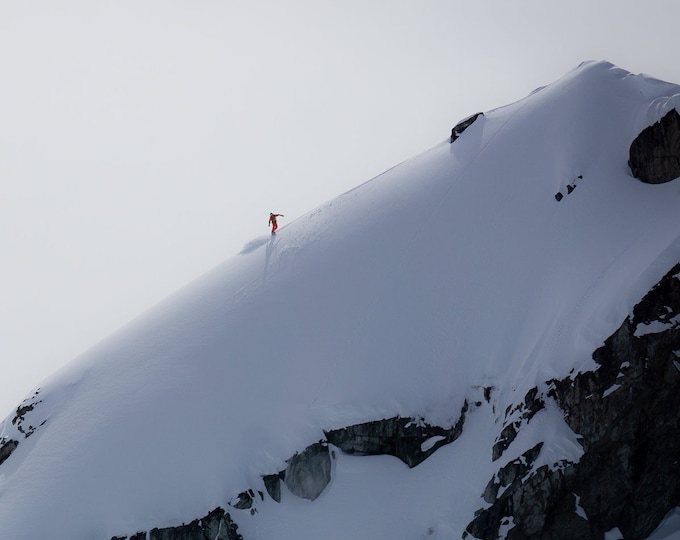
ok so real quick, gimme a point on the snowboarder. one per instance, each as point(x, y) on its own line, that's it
point(272, 221)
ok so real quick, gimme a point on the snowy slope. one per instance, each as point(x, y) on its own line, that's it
point(452, 271)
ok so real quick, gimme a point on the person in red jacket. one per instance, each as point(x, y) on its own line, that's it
point(272, 221)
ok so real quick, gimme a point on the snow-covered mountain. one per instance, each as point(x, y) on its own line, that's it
point(447, 312)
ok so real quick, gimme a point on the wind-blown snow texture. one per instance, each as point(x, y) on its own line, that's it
point(453, 271)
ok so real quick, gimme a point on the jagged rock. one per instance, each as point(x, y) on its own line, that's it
point(309, 472)
point(463, 125)
point(412, 441)
point(217, 525)
point(24, 427)
point(272, 483)
point(538, 507)
point(244, 501)
point(514, 418)
point(511, 473)
point(655, 152)
point(627, 413)
point(6, 449)
point(408, 439)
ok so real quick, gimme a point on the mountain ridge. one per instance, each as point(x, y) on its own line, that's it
point(399, 298)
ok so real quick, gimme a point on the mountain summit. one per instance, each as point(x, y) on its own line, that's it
point(479, 342)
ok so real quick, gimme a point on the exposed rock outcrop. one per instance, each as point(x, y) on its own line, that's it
point(627, 413)
point(569, 188)
point(6, 448)
point(217, 525)
point(515, 417)
point(25, 424)
point(655, 152)
point(510, 474)
point(23, 420)
point(539, 506)
point(463, 125)
point(272, 483)
point(410, 440)
point(244, 501)
point(309, 472)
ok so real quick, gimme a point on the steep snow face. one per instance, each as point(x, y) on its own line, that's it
point(455, 270)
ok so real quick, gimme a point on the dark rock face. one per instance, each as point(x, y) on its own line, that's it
point(409, 440)
point(26, 424)
point(515, 418)
point(309, 472)
point(541, 507)
point(655, 152)
point(22, 417)
point(462, 126)
point(6, 449)
point(244, 501)
point(511, 473)
point(627, 413)
point(217, 525)
point(138, 536)
point(272, 483)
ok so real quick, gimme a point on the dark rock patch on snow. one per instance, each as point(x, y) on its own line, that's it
point(515, 418)
point(244, 501)
point(569, 188)
point(410, 440)
point(655, 152)
point(20, 419)
point(217, 525)
point(138, 536)
point(463, 125)
point(309, 472)
point(272, 483)
point(6, 449)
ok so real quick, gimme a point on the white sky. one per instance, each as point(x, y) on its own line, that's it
point(143, 142)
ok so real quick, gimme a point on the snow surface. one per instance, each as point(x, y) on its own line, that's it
point(453, 271)
point(655, 327)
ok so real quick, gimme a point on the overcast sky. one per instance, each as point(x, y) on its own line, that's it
point(144, 142)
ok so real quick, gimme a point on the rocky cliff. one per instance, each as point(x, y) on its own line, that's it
point(627, 416)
